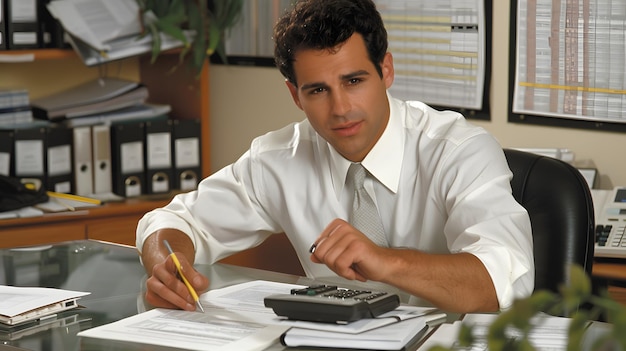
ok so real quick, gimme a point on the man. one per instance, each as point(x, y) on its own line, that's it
point(452, 232)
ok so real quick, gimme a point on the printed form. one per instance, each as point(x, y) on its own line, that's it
point(235, 318)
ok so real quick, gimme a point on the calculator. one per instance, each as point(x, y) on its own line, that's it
point(331, 304)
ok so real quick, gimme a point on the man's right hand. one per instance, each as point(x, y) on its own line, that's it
point(164, 288)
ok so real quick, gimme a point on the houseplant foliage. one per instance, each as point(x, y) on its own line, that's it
point(566, 302)
point(207, 19)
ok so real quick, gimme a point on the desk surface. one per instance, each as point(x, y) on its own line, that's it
point(115, 278)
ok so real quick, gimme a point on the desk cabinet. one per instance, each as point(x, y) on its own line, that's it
point(115, 222)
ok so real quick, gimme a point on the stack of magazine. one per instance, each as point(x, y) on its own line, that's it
point(101, 101)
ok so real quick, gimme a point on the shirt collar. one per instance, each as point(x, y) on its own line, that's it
point(384, 161)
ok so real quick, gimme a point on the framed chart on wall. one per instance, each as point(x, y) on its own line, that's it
point(568, 60)
point(442, 52)
point(441, 49)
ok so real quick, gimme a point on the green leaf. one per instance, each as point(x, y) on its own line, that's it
point(172, 30)
point(576, 330)
point(466, 336)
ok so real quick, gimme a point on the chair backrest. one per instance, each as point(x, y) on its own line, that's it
point(559, 203)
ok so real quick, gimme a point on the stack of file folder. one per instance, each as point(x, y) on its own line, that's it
point(97, 101)
point(101, 139)
point(14, 107)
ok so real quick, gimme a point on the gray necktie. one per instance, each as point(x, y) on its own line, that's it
point(365, 216)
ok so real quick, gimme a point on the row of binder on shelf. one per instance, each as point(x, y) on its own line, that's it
point(104, 161)
point(29, 25)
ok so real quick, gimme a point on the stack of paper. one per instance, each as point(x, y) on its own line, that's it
point(102, 31)
point(20, 304)
point(97, 96)
point(101, 101)
point(237, 319)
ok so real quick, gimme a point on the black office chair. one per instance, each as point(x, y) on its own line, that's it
point(559, 203)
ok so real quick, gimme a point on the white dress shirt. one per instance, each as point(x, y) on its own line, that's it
point(442, 186)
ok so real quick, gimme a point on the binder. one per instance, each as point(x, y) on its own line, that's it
point(127, 151)
point(83, 172)
point(101, 157)
point(187, 152)
point(29, 156)
point(158, 156)
point(3, 26)
point(52, 32)
point(22, 24)
point(59, 177)
point(6, 152)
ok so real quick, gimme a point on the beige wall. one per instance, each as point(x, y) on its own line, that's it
point(248, 101)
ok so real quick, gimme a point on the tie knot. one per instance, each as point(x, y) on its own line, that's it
point(356, 173)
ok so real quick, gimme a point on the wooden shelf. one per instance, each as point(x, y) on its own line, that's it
point(111, 222)
point(22, 56)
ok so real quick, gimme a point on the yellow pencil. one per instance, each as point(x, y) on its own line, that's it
point(182, 276)
point(74, 197)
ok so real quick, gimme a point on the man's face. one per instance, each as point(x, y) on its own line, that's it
point(343, 96)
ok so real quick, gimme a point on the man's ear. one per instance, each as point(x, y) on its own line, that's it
point(294, 93)
point(388, 70)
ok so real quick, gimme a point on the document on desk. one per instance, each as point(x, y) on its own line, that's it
point(549, 332)
point(235, 318)
point(24, 304)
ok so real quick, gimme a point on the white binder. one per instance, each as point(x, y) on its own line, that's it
point(83, 173)
point(102, 177)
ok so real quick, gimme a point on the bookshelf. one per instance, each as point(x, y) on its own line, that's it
point(45, 71)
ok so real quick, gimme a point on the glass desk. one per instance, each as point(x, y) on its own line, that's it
point(115, 278)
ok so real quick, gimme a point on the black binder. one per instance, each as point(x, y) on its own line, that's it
point(186, 143)
point(23, 30)
point(29, 155)
point(59, 170)
point(3, 26)
point(6, 152)
point(158, 156)
point(127, 153)
point(52, 32)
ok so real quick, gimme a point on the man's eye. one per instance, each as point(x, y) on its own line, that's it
point(353, 81)
point(318, 90)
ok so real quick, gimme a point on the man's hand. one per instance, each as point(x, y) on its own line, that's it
point(452, 282)
point(349, 253)
point(164, 288)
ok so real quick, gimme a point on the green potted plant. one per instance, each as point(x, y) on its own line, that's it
point(207, 19)
point(566, 302)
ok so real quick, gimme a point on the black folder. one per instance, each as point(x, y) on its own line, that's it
point(51, 29)
point(3, 26)
point(29, 155)
point(186, 143)
point(158, 156)
point(6, 151)
point(127, 153)
point(59, 170)
point(23, 25)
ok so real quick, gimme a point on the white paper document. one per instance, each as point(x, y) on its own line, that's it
point(23, 304)
point(549, 332)
point(235, 318)
point(391, 337)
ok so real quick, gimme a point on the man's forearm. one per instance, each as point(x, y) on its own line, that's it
point(154, 251)
point(453, 282)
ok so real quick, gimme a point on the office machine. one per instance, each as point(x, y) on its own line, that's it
point(331, 304)
point(610, 215)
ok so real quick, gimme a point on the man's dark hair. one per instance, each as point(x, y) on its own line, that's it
point(324, 24)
